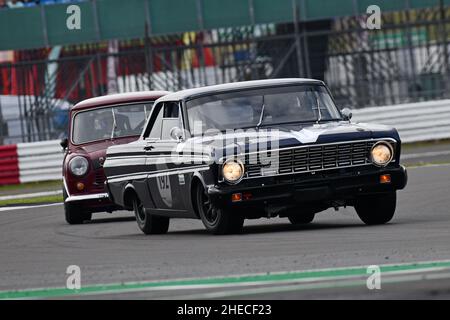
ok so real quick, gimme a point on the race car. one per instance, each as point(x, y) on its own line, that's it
point(246, 150)
point(95, 124)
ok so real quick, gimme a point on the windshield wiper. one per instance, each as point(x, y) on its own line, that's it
point(114, 123)
point(319, 112)
point(261, 117)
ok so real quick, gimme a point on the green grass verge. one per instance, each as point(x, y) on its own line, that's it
point(37, 200)
point(56, 185)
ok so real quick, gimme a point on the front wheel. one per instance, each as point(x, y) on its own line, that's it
point(74, 214)
point(377, 209)
point(216, 220)
point(301, 219)
point(148, 223)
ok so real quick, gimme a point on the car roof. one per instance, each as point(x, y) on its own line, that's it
point(118, 98)
point(220, 88)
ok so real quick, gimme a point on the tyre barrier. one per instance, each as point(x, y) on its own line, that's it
point(30, 162)
point(9, 165)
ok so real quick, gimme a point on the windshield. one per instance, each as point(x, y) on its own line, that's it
point(261, 107)
point(110, 122)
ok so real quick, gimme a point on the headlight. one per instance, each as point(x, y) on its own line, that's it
point(78, 166)
point(233, 171)
point(381, 154)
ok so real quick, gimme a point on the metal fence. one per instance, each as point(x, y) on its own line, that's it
point(406, 61)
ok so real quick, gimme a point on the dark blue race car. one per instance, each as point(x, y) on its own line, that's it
point(255, 149)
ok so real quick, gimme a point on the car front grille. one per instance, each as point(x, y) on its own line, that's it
point(308, 159)
point(99, 183)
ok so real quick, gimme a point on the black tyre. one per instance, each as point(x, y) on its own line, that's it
point(299, 219)
point(218, 221)
point(378, 209)
point(149, 224)
point(73, 213)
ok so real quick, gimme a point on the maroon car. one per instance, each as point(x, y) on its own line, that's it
point(95, 124)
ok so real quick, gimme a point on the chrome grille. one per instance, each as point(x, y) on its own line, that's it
point(308, 159)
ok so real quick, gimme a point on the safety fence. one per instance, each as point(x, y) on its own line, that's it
point(416, 122)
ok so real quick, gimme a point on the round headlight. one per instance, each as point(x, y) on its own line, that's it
point(78, 166)
point(233, 171)
point(382, 153)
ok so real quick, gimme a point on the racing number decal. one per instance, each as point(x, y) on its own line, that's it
point(164, 182)
point(165, 190)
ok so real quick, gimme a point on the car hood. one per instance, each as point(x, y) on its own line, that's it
point(292, 135)
point(97, 150)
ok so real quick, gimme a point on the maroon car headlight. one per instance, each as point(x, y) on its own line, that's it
point(78, 166)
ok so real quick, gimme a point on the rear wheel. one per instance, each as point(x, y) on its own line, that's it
point(377, 209)
point(73, 213)
point(217, 220)
point(148, 223)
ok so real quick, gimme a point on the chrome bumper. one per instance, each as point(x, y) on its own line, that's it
point(96, 196)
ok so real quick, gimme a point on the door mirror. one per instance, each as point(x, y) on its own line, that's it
point(176, 134)
point(347, 114)
point(64, 143)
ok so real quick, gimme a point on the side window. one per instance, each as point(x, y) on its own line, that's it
point(155, 132)
point(171, 119)
point(167, 115)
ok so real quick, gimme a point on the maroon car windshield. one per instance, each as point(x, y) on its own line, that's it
point(110, 122)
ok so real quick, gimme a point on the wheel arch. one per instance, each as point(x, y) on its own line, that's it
point(197, 179)
point(129, 192)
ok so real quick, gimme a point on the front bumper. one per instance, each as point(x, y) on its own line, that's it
point(313, 188)
point(88, 197)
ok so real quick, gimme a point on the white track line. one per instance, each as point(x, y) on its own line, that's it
point(29, 207)
point(31, 195)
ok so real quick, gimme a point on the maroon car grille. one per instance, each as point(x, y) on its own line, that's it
point(99, 183)
point(309, 159)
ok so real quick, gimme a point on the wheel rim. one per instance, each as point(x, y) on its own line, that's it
point(208, 210)
point(139, 210)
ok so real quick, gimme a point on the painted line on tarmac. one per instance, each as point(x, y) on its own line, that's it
point(227, 281)
point(31, 195)
point(345, 283)
point(29, 207)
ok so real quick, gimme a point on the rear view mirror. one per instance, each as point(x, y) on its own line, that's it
point(347, 114)
point(176, 134)
point(64, 143)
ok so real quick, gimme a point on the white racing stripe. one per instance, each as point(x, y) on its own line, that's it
point(29, 207)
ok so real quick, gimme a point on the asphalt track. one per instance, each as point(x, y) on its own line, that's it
point(327, 259)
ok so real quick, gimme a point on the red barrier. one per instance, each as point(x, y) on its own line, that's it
point(9, 165)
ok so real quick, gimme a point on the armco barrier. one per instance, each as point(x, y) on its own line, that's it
point(40, 161)
point(415, 122)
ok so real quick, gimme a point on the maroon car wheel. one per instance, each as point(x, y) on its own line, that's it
point(75, 214)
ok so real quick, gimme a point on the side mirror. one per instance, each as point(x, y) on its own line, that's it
point(176, 134)
point(347, 114)
point(64, 143)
